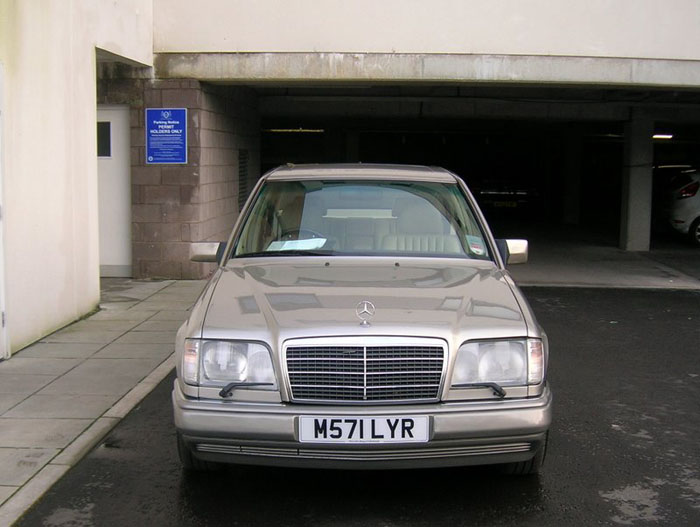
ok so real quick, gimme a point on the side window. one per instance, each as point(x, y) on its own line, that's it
point(104, 139)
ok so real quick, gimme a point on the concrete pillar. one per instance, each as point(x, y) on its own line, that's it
point(572, 180)
point(635, 224)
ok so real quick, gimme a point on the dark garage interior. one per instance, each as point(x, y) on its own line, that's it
point(531, 165)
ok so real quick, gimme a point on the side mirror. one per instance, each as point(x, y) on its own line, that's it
point(513, 251)
point(207, 251)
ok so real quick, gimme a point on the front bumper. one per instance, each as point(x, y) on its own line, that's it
point(461, 433)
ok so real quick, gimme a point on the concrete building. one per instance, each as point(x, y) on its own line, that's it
point(557, 99)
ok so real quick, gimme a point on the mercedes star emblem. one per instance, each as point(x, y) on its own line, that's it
point(365, 310)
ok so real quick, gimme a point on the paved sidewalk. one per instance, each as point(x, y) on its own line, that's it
point(60, 396)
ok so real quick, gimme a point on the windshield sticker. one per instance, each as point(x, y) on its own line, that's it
point(476, 245)
point(297, 245)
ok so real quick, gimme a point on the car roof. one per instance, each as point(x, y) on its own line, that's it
point(361, 171)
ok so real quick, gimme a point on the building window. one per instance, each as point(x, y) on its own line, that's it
point(243, 189)
point(104, 139)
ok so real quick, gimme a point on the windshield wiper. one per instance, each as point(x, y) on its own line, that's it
point(497, 390)
point(227, 390)
point(290, 252)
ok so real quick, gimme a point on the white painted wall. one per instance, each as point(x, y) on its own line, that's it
point(4, 344)
point(659, 29)
point(50, 163)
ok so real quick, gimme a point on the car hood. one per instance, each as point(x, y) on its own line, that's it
point(281, 298)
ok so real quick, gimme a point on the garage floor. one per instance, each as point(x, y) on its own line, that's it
point(575, 256)
point(561, 263)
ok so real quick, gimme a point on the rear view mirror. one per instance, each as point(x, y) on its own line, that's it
point(513, 251)
point(207, 251)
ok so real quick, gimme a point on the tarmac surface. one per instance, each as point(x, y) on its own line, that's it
point(623, 446)
point(62, 395)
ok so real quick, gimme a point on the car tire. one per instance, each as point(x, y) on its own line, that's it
point(190, 462)
point(531, 466)
point(694, 232)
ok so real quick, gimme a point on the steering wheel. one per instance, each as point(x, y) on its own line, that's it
point(300, 234)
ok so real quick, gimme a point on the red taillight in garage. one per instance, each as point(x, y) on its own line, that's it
point(689, 190)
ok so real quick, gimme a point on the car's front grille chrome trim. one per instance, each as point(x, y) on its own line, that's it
point(380, 370)
point(364, 455)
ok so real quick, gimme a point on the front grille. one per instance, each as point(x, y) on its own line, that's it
point(348, 373)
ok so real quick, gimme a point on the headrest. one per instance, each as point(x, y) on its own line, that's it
point(417, 216)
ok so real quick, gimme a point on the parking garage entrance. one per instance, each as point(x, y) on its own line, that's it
point(524, 172)
point(571, 163)
point(538, 161)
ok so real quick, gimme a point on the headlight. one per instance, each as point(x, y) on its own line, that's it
point(220, 362)
point(505, 362)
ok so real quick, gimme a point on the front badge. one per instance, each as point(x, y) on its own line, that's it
point(364, 311)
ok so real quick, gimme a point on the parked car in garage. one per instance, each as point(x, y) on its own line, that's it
point(681, 206)
point(362, 316)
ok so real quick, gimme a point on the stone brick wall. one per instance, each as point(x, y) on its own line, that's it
point(229, 123)
point(174, 205)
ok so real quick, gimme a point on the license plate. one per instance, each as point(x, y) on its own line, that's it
point(383, 429)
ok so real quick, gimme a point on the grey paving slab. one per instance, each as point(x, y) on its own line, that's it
point(147, 337)
point(102, 377)
point(118, 306)
point(6, 492)
point(118, 289)
point(20, 464)
point(58, 350)
point(119, 350)
point(105, 325)
point(166, 305)
point(44, 365)
point(160, 325)
point(40, 433)
point(138, 392)
point(23, 384)
point(188, 283)
point(171, 314)
point(136, 315)
point(8, 400)
point(83, 336)
point(183, 295)
point(63, 406)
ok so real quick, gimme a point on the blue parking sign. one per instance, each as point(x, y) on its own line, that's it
point(166, 135)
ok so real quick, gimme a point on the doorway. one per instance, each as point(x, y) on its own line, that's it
point(114, 187)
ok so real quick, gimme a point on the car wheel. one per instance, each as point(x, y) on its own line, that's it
point(531, 466)
point(190, 462)
point(694, 232)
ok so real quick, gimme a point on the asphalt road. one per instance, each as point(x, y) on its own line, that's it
point(624, 447)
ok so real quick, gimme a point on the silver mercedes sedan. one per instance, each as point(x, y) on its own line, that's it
point(361, 317)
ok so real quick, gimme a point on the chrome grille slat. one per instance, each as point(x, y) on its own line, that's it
point(351, 373)
point(381, 454)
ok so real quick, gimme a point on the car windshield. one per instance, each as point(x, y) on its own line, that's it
point(390, 218)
